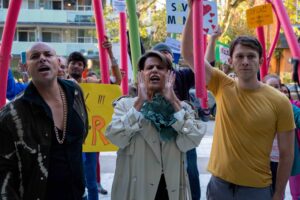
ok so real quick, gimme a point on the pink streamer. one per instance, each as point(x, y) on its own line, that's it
point(261, 38)
point(199, 68)
point(275, 40)
point(123, 41)
point(103, 57)
point(288, 30)
point(204, 42)
point(6, 46)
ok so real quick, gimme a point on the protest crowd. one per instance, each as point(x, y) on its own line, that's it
point(156, 127)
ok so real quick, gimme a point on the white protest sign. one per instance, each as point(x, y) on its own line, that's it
point(177, 11)
point(119, 5)
point(173, 44)
point(222, 53)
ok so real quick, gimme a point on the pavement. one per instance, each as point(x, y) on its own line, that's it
point(108, 165)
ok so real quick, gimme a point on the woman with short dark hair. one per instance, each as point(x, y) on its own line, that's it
point(153, 131)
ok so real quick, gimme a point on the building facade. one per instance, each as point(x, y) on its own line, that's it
point(67, 25)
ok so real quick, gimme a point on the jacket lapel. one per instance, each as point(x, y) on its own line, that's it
point(151, 137)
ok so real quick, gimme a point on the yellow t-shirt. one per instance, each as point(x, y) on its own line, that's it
point(246, 123)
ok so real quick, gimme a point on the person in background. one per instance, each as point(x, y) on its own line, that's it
point(42, 134)
point(294, 180)
point(153, 132)
point(13, 87)
point(101, 190)
point(63, 68)
point(77, 63)
point(275, 82)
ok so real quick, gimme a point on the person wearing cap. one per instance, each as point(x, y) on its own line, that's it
point(76, 66)
point(184, 81)
point(153, 132)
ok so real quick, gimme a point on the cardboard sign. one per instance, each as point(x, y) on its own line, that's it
point(259, 16)
point(98, 100)
point(177, 11)
point(222, 53)
point(119, 5)
point(173, 44)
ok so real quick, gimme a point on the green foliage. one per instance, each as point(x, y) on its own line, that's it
point(237, 23)
point(111, 23)
point(152, 30)
point(287, 77)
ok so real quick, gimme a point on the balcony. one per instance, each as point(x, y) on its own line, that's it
point(52, 16)
point(63, 49)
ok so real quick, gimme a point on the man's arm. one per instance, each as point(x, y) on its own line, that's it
point(8, 162)
point(286, 157)
point(187, 46)
point(210, 50)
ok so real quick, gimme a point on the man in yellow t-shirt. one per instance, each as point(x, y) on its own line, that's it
point(248, 116)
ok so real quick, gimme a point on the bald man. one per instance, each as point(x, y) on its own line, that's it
point(41, 133)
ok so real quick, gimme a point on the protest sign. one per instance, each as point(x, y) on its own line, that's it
point(177, 11)
point(98, 99)
point(259, 15)
point(119, 5)
point(222, 53)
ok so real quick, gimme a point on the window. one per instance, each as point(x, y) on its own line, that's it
point(26, 34)
point(57, 4)
point(32, 4)
point(5, 3)
point(69, 4)
point(84, 4)
point(86, 36)
point(69, 35)
point(51, 35)
point(1, 32)
point(45, 4)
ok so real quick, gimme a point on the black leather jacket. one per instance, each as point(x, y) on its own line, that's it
point(25, 140)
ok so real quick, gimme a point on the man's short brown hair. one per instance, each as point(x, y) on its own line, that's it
point(247, 41)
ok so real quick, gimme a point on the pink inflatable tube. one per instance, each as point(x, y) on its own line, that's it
point(103, 57)
point(261, 38)
point(200, 84)
point(6, 46)
point(288, 30)
point(123, 41)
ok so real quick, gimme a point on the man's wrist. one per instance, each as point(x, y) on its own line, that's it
point(114, 61)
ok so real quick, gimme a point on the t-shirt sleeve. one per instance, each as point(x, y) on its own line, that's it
point(218, 80)
point(285, 117)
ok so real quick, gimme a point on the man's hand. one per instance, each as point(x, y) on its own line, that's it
point(217, 33)
point(190, 3)
point(277, 196)
point(23, 70)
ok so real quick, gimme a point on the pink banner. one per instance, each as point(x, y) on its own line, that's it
point(6, 46)
point(103, 57)
point(288, 30)
point(199, 68)
point(261, 38)
point(123, 42)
